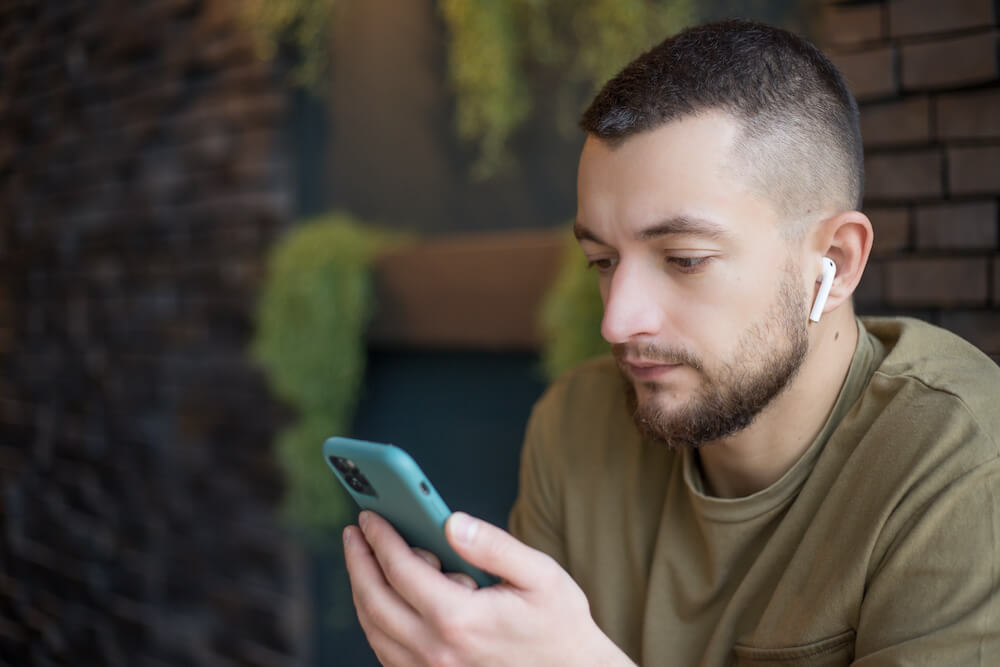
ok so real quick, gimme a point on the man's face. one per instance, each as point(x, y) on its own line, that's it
point(704, 302)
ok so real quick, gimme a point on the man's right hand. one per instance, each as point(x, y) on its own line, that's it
point(413, 614)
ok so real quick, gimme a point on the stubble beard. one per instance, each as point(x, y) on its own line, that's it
point(730, 398)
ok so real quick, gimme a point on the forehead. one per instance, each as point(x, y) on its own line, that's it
point(684, 168)
point(704, 141)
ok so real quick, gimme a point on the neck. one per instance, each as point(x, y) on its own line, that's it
point(760, 454)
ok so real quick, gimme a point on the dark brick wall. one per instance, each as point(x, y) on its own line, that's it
point(141, 183)
point(927, 77)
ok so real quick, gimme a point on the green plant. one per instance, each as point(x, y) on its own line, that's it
point(570, 315)
point(310, 341)
point(303, 25)
point(610, 33)
point(501, 52)
point(491, 96)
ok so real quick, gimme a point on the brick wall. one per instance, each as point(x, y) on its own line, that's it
point(140, 186)
point(927, 77)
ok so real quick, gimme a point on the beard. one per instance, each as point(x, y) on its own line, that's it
point(731, 396)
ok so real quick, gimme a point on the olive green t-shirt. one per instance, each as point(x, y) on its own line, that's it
point(880, 546)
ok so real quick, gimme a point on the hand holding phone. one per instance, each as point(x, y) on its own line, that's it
point(385, 479)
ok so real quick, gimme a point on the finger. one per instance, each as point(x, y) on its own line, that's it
point(489, 548)
point(463, 579)
point(428, 557)
point(380, 609)
point(386, 649)
point(416, 582)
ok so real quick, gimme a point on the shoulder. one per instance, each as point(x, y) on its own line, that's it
point(925, 424)
point(587, 399)
point(922, 440)
point(584, 411)
point(934, 380)
point(933, 355)
point(596, 381)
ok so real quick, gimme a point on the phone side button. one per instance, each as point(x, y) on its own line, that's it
point(441, 507)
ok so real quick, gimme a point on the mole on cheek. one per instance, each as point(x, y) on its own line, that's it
point(836, 335)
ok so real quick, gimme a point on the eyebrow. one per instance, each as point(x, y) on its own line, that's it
point(676, 226)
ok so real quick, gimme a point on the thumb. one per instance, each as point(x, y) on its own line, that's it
point(498, 552)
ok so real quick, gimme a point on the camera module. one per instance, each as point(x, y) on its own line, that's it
point(353, 477)
point(345, 466)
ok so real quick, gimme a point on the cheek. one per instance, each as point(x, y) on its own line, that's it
point(718, 312)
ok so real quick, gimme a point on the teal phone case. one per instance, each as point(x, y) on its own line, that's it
point(392, 485)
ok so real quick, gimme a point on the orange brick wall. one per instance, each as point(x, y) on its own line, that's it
point(927, 77)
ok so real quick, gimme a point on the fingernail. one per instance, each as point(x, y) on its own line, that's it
point(465, 527)
point(347, 535)
point(463, 579)
point(363, 520)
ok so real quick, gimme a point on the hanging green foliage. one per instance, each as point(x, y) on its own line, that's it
point(499, 48)
point(309, 340)
point(491, 96)
point(571, 314)
point(501, 54)
point(611, 33)
point(304, 25)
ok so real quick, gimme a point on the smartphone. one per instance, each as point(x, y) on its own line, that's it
point(385, 479)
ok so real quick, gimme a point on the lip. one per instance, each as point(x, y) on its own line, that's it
point(649, 370)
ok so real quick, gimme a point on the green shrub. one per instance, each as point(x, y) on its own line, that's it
point(571, 315)
point(309, 340)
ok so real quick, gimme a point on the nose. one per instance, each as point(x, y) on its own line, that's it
point(630, 306)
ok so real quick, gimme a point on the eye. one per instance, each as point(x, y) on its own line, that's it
point(603, 264)
point(688, 264)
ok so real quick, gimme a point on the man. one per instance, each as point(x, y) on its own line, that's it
point(739, 485)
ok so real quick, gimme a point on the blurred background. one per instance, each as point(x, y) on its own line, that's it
point(230, 229)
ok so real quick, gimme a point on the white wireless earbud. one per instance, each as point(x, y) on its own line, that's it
point(829, 271)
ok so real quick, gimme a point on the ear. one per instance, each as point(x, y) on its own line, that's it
point(846, 238)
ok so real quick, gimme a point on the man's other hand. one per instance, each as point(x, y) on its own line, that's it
point(413, 614)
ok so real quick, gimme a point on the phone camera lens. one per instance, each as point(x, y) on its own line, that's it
point(352, 475)
point(345, 466)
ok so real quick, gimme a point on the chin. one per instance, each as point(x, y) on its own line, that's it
point(666, 392)
point(656, 396)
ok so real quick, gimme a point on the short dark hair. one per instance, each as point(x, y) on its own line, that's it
point(800, 138)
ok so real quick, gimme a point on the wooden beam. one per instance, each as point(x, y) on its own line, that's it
point(472, 291)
